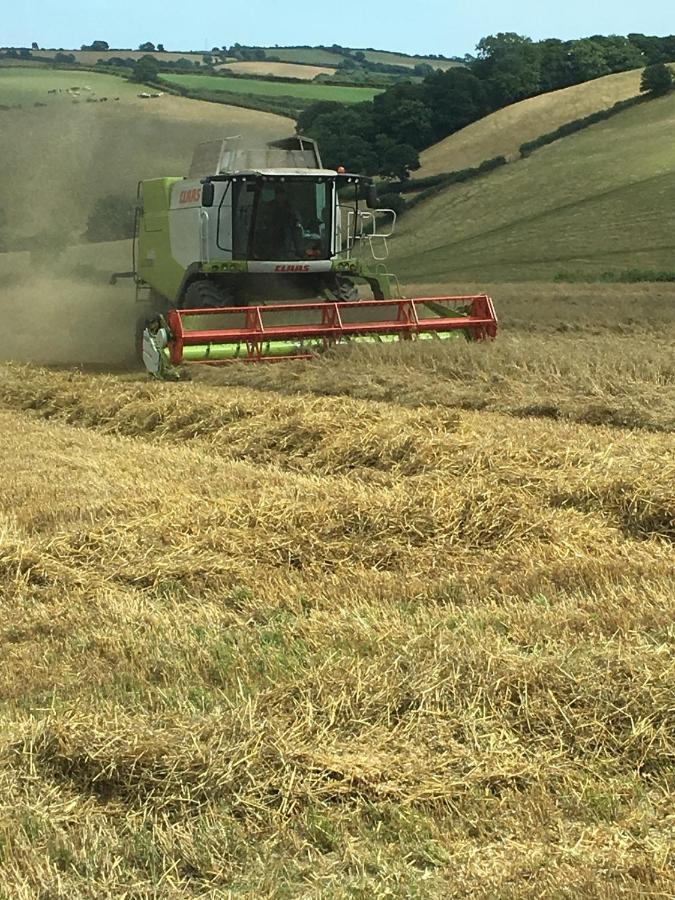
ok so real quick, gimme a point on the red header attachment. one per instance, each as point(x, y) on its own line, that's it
point(300, 330)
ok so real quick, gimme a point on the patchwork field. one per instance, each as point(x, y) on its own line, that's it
point(392, 623)
point(320, 57)
point(314, 56)
point(597, 201)
point(277, 69)
point(402, 59)
point(309, 91)
point(91, 57)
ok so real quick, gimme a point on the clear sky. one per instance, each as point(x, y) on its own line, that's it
point(450, 27)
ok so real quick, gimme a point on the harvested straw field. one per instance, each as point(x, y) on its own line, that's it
point(396, 623)
point(276, 69)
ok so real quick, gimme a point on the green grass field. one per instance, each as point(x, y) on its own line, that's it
point(319, 57)
point(314, 56)
point(307, 91)
point(600, 200)
point(27, 85)
point(401, 59)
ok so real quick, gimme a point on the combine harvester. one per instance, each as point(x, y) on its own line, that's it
point(257, 255)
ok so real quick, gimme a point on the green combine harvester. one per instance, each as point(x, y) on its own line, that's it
point(258, 254)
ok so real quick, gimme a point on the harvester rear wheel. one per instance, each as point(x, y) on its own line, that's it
point(207, 294)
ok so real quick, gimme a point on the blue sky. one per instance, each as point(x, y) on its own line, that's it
point(413, 26)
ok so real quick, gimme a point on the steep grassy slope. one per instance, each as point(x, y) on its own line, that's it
point(598, 200)
point(502, 133)
point(73, 153)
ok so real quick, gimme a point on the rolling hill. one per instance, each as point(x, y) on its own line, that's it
point(91, 57)
point(501, 133)
point(72, 151)
point(599, 200)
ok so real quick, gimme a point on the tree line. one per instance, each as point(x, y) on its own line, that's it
point(384, 137)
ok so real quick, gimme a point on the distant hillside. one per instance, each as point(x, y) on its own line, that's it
point(600, 200)
point(71, 151)
point(275, 69)
point(403, 59)
point(319, 56)
point(91, 57)
point(502, 133)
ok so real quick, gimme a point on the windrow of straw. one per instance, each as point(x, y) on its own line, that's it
point(260, 645)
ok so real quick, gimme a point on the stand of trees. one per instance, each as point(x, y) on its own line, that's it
point(384, 137)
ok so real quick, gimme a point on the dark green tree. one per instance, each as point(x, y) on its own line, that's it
point(587, 60)
point(145, 69)
point(456, 98)
point(395, 160)
point(657, 80)
point(511, 64)
point(620, 55)
point(403, 114)
point(147, 47)
point(557, 70)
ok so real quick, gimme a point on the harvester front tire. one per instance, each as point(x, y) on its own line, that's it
point(344, 289)
point(207, 295)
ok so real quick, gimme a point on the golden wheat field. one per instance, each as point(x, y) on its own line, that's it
point(395, 623)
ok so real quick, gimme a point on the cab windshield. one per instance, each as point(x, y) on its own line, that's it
point(281, 219)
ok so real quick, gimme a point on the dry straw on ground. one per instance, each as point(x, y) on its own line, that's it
point(262, 642)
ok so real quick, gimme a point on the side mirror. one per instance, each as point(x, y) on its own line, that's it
point(371, 197)
point(208, 193)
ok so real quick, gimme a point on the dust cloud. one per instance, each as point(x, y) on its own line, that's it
point(57, 305)
point(63, 321)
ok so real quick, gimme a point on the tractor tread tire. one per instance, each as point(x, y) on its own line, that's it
point(206, 294)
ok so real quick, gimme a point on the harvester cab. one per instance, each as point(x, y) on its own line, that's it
point(259, 253)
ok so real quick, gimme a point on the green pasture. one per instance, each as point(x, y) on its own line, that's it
point(306, 91)
point(314, 56)
point(401, 59)
point(598, 201)
point(25, 85)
